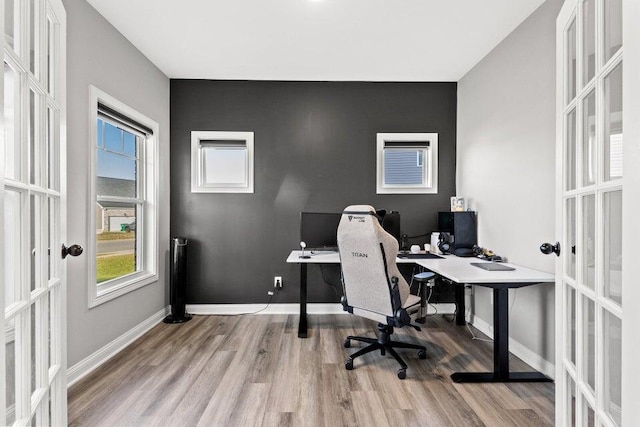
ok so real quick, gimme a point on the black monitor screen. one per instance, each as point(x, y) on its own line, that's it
point(319, 230)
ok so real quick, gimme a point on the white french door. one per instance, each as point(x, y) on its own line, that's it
point(32, 213)
point(589, 299)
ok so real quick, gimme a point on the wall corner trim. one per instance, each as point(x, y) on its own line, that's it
point(93, 361)
point(531, 358)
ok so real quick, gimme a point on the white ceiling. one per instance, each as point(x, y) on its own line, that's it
point(361, 40)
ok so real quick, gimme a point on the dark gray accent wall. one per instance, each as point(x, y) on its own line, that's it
point(315, 150)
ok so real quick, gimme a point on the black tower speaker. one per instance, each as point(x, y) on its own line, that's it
point(178, 284)
point(462, 225)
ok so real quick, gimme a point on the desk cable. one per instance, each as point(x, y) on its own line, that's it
point(270, 293)
point(468, 311)
point(335, 290)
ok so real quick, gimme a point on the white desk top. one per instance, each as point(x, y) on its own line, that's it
point(460, 270)
point(329, 257)
point(452, 267)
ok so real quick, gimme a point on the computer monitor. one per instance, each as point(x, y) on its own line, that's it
point(319, 230)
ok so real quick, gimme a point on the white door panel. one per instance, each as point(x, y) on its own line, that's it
point(32, 208)
point(590, 146)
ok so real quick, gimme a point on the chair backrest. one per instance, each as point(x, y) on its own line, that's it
point(368, 259)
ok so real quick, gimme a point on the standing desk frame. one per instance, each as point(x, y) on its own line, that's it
point(461, 272)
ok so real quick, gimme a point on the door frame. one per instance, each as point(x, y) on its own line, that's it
point(630, 209)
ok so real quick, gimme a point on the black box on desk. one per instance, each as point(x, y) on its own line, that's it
point(463, 226)
point(443, 292)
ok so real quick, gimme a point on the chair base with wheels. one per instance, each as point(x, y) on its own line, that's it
point(384, 344)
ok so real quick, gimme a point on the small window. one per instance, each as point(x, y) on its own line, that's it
point(407, 163)
point(221, 162)
point(123, 158)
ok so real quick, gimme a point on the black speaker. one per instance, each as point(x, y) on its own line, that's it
point(462, 225)
point(178, 282)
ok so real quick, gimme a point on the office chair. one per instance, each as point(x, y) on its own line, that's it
point(373, 286)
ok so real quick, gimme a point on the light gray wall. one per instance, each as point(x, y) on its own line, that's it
point(506, 165)
point(98, 55)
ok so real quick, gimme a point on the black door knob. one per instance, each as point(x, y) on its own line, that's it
point(73, 250)
point(548, 248)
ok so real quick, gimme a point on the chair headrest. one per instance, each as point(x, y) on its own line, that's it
point(359, 209)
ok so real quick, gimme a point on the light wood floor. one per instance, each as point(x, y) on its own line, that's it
point(254, 370)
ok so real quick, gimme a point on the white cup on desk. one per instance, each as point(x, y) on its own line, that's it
point(427, 247)
point(415, 249)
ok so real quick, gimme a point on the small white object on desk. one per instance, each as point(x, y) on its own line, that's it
point(415, 249)
point(303, 256)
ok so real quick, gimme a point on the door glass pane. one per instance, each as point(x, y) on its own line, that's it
point(12, 246)
point(570, 253)
point(612, 365)
point(589, 140)
point(571, 400)
point(10, 372)
point(570, 303)
point(571, 39)
point(571, 140)
point(589, 240)
point(54, 327)
point(49, 241)
point(33, 152)
point(613, 124)
point(32, 36)
point(49, 330)
point(589, 341)
point(612, 28)
point(53, 148)
point(54, 241)
point(11, 122)
point(49, 46)
point(613, 246)
point(588, 416)
point(10, 21)
point(589, 41)
point(33, 348)
point(34, 210)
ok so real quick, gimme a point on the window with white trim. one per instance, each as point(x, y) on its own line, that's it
point(221, 162)
point(124, 191)
point(407, 163)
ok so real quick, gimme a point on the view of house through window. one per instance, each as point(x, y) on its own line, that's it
point(119, 203)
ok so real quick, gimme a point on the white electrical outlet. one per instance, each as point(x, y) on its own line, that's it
point(277, 282)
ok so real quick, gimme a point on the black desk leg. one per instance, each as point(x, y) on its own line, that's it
point(302, 323)
point(501, 333)
point(422, 313)
point(460, 304)
point(500, 350)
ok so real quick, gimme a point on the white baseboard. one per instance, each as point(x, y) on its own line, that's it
point(533, 359)
point(285, 308)
point(85, 366)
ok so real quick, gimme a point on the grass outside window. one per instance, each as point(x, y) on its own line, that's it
point(113, 266)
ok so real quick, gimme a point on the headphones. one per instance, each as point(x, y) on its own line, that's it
point(443, 243)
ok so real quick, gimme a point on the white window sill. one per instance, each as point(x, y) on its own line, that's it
point(108, 291)
point(407, 190)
